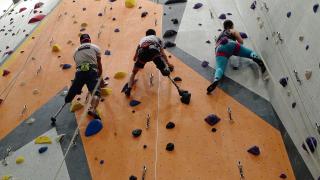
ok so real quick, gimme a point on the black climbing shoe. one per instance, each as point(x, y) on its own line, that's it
point(212, 86)
point(128, 91)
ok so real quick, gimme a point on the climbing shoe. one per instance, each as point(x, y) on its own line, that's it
point(128, 91)
point(212, 86)
point(165, 72)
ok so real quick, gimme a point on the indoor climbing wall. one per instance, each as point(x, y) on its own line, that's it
point(152, 134)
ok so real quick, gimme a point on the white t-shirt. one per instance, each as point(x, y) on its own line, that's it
point(151, 40)
point(86, 53)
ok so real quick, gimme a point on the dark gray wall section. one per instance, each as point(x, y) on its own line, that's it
point(251, 100)
point(76, 160)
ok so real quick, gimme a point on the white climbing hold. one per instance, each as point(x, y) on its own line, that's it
point(30, 120)
point(35, 91)
point(308, 74)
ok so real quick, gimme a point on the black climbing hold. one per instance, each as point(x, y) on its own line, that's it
point(169, 56)
point(219, 29)
point(254, 150)
point(170, 147)
point(197, 6)
point(175, 21)
point(170, 125)
point(307, 47)
point(169, 33)
point(133, 111)
point(136, 132)
point(102, 99)
point(312, 144)
point(132, 177)
point(200, 24)
point(315, 8)
point(101, 161)
point(243, 35)
point(208, 42)
point(177, 79)
point(43, 149)
point(117, 30)
point(139, 7)
point(175, 1)
point(112, 0)
point(145, 146)
point(213, 130)
point(169, 44)
point(144, 14)
point(267, 38)
point(205, 64)
point(222, 16)
point(170, 7)
point(253, 5)
point(100, 14)
point(284, 81)
point(164, 14)
point(229, 14)
point(283, 176)
point(293, 105)
point(212, 119)
point(107, 52)
point(288, 14)
point(83, 9)
point(78, 99)
point(134, 103)
point(113, 19)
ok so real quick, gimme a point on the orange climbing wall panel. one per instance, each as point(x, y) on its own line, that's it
point(199, 153)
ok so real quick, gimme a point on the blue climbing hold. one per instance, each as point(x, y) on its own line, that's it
point(315, 8)
point(284, 81)
point(254, 150)
point(222, 16)
point(312, 144)
point(43, 149)
point(253, 5)
point(205, 64)
point(243, 35)
point(212, 119)
point(66, 66)
point(134, 103)
point(288, 14)
point(197, 6)
point(107, 53)
point(93, 127)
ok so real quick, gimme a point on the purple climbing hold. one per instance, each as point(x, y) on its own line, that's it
point(293, 105)
point(212, 119)
point(254, 150)
point(243, 35)
point(284, 81)
point(222, 16)
point(312, 144)
point(197, 6)
point(101, 161)
point(112, 0)
point(253, 5)
point(100, 14)
point(38, 5)
point(144, 14)
point(283, 176)
point(66, 66)
point(315, 8)
point(93, 127)
point(229, 14)
point(107, 53)
point(117, 30)
point(205, 64)
point(288, 14)
point(134, 103)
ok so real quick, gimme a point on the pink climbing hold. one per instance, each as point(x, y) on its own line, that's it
point(22, 9)
point(5, 72)
point(38, 5)
point(36, 18)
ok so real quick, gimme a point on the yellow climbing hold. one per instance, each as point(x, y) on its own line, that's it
point(20, 160)
point(43, 140)
point(84, 25)
point(106, 91)
point(120, 75)
point(6, 177)
point(75, 106)
point(130, 3)
point(56, 48)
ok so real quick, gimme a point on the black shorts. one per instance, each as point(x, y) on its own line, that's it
point(147, 55)
point(89, 78)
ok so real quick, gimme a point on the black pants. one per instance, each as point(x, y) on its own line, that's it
point(147, 55)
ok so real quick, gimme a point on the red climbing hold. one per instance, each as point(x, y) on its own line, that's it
point(38, 5)
point(36, 18)
point(5, 72)
point(22, 9)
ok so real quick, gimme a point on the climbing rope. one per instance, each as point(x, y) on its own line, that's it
point(283, 99)
point(157, 127)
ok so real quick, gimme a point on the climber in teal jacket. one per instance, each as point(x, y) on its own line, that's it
point(229, 43)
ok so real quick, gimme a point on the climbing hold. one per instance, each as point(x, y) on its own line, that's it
point(130, 3)
point(175, 21)
point(93, 127)
point(38, 5)
point(65, 66)
point(293, 105)
point(42, 149)
point(60, 138)
point(84, 9)
point(35, 91)
point(100, 14)
point(22, 9)
point(169, 44)
point(35, 11)
point(169, 33)
point(301, 38)
point(83, 25)
point(288, 14)
point(5, 72)
point(82, 29)
point(170, 147)
point(205, 64)
point(174, 1)
point(107, 53)
point(145, 146)
point(19, 160)
point(36, 18)
point(120, 75)
point(170, 125)
point(106, 91)
point(7, 177)
point(113, 19)
point(134, 103)
point(315, 8)
point(101, 161)
point(222, 16)
point(56, 48)
point(254, 150)
point(177, 79)
point(144, 14)
point(212, 119)
point(117, 30)
point(75, 22)
point(253, 5)
point(22, 84)
point(43, 140)
point(243, 35)
point(308, 74)
point(69, 42)
point(30, 120)
point(208, 42)
point(307, 47)
point(132, 177)
point(312, 144)
point(75, 106)
point(197, 6)
point(213, 130)
point(229, 14)
point(284, 81)
point(283, 176)
point(136, 132)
